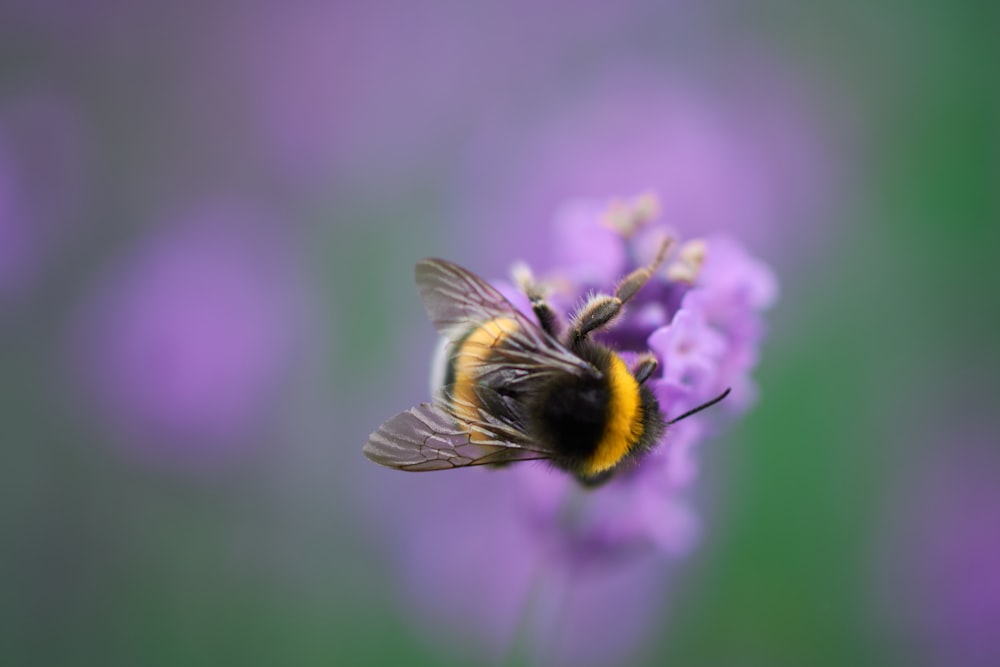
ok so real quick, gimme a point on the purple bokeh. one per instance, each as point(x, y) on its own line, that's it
point(368, 92)
point(186, 341)
point(741, 153)
point(41, 184)
point(939, 573)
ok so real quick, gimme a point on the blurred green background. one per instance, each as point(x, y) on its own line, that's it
point(358, 138)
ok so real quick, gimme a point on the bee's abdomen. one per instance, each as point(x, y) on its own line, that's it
point(621, 419)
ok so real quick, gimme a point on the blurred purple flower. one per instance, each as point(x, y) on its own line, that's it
point(524, 559)
point(940, 571)
point(743, 155)
point(184, 345)
point(334, 91)
point(41, 174)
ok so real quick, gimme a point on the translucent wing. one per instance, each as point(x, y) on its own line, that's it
point(485, 426)
point(431, 436)
point(457, 300)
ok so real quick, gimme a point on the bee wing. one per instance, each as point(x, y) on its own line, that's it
point(429, 437)
point(457, 300)
point(455, 432)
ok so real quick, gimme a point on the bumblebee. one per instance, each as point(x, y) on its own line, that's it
point(514, 390)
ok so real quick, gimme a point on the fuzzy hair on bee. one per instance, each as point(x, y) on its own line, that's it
point(517, 390)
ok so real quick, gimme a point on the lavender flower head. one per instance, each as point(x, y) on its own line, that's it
point(524, 558)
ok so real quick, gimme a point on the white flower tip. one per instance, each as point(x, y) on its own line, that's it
point(521, 274)
point(687, 267)
point(694, 251)
point(626, 216)
point(647, 206)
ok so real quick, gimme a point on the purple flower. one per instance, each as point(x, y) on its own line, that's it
point(185, 343)
point(524, 558)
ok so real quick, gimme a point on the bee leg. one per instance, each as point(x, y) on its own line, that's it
point(634, 281)
point(597, 312)
point(543, 311)
point(645, 366)
point(601, 309)
point(546, 316)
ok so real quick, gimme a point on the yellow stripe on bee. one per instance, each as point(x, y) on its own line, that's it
point(624, 420)
point(473, 351)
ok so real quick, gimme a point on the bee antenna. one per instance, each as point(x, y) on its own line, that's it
point(701, 407)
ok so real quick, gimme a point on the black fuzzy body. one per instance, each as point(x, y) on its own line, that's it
point(566, 414)
point(571, 415)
